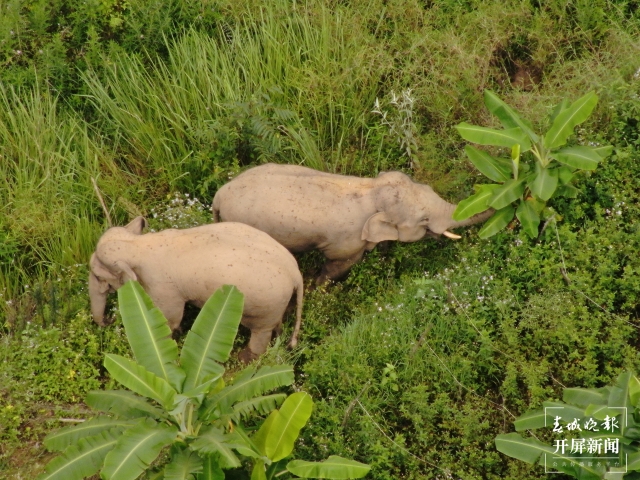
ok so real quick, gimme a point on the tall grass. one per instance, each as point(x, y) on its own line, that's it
point(49, 213)
point(310, 60)
point(328, 66)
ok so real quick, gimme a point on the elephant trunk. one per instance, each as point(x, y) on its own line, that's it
point(98, 296)
point(448, 222)
point(477, 218)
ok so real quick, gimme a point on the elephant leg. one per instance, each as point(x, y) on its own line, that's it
point(257, 345)
point(278, 330)
point(173, 310)
point(338, 268)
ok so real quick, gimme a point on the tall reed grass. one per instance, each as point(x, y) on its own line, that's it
point(49, 214)
point(311, 59)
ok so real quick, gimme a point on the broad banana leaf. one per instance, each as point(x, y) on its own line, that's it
point(123, 403)
point(210, 339)
point(213, 442)
point(529, 218)
point(564, 123)
point(149, 334)
point(584, 158)
point(507, 115)
point(476, 203)
point(249, 385)
point(334, 467)
point(497, 222)
point(497, 169)
point(211, 470)
point(507, 193)
point(64, 437)
point(82, 460)
point(285, 429)
point(183, 466)
point(489, 136)
point(136, 449)
point(140, 380)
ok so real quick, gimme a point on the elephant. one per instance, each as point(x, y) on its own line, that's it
point(176, 267)
point(342, 216)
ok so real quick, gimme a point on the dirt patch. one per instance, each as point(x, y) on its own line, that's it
point(513, 66)
point(26, 461)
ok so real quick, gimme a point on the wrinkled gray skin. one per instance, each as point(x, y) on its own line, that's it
point(342, 216)
point(179, 266)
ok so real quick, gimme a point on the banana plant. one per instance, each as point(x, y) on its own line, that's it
point(617, 405)
point(538, 167)
point(276, 438)
point(176, 403)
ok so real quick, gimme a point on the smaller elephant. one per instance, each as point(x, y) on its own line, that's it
point(176, 267)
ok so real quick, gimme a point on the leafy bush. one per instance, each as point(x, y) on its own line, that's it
point(45, 370)
point(470, 347)
point(532, 183)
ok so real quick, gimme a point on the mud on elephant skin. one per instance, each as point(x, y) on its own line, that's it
point(340, 215)
point(176, 267)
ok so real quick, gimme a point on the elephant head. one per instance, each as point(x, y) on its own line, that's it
point(109, 266)
point(409, 211)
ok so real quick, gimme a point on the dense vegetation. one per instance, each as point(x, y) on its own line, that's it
point(428, 350)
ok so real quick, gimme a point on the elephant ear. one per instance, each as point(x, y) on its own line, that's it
point(136, 225)
point(126, 272)
point(101, 274)
point(379, 228)
point(106, 277)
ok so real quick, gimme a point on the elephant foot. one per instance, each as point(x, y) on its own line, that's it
point(176, 334)
point(247, 356)
point(321, 280)
point(105, 321)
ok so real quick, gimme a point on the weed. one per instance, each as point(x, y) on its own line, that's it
point(401, 122)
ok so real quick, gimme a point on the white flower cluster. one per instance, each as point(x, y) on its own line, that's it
point(616, 210)
point(181, 211)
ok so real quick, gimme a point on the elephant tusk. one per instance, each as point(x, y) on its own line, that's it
point(450, 235)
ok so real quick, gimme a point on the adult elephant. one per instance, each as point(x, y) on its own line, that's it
point(342, 216)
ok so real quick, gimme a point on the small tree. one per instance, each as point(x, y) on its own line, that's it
point(540, 167)
point(180, 404)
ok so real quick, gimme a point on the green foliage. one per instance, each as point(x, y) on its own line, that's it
point(606, 414)
point(46, 372)
point(470, 345)
point(73, 352)
point(192, 410)
point(538, 179)
point(48, 42)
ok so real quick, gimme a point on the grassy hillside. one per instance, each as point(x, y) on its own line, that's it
point(426, 351)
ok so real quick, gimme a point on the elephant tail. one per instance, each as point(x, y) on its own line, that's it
point(296, 330)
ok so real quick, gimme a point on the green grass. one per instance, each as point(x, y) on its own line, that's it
point(158, 100)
